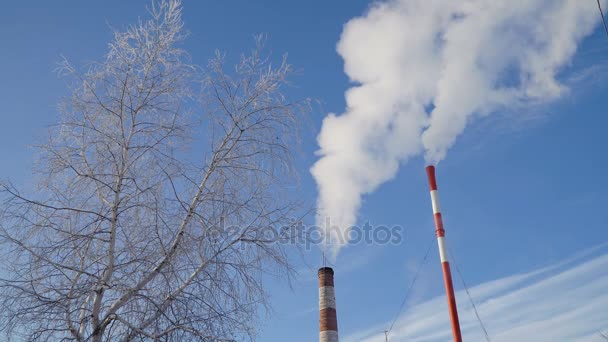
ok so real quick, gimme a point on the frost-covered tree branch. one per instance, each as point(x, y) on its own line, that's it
point(128, 236)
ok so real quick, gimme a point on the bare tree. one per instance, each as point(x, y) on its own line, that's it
point(127, 236)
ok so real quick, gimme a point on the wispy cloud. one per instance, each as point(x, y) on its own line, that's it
point(566, 301)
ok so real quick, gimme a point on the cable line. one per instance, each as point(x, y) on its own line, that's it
point(466, 289)
point(408, 291)
point(602, 14)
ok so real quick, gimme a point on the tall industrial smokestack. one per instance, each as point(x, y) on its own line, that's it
point(328, 321)
point(443, 255)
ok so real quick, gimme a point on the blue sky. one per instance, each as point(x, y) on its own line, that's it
point(522, 190)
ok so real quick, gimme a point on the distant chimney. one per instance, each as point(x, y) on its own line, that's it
point(328, 321)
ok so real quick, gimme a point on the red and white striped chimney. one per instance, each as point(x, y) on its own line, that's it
point(443, 255)
point(328, 321)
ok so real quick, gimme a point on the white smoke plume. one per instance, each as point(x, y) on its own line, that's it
point(422, 70)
